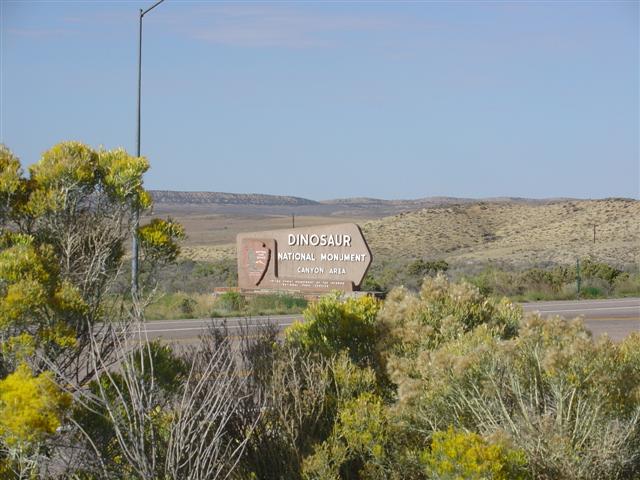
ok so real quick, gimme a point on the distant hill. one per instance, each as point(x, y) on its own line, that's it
point(220, 198)
point(516, 233)
point(177, 203)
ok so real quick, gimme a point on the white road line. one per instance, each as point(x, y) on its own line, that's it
point(584, 302)
point(176, 329)
point(589, 309)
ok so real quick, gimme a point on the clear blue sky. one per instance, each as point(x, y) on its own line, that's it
point(337, 99)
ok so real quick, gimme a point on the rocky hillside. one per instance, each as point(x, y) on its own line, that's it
point(512, 232)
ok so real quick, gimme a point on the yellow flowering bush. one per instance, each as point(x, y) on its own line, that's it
point(12, 185)
point(333, 324)
point(34, 301)
point(31, 406)
point(459, 455)
point(159, 239)
point(122, 175)
point(357, 444)
point(571, 404)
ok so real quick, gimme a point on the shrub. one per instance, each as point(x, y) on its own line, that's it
point(422, 268)
point(296, 395)
point(31, 407)
point(371, 284)
point(598, 280)
point(465, 455)
point(592, 269)
point(231, 302)
point(334, 324)
point(356, 447)
point(628, 284)
point(180, 305)
point(192, 277)
point(187, 306)
point(275, 303)
point(571, 404)
point(411, 324)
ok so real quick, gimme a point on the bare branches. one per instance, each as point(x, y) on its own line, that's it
point(199, 446)
point(151, 414)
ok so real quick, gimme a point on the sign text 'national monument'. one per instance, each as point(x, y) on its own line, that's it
point(328, 257)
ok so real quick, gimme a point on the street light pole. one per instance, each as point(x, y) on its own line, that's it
point(136, 213)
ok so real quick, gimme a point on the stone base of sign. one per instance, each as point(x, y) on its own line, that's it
point(307, 295)
point(306, 285)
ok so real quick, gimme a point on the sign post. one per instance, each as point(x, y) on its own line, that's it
point(311, 259)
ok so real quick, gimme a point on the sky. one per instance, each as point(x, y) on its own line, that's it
point(336, 99)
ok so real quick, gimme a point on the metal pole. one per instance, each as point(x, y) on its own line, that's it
point(136, 212)
point(139, 81)
point(594, 233)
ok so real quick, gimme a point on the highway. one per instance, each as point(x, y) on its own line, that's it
point(616, 317)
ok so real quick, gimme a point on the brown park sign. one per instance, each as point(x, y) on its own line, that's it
point(311, 259)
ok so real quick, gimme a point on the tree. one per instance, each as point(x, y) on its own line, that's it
point(62, 236)
point(422, 268)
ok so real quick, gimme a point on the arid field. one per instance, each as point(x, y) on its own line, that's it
point(516, 232)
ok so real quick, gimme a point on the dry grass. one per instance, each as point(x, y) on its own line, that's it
point(519, 234)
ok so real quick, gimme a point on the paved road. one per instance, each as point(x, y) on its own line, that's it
point(188, 330)
point(617, 317)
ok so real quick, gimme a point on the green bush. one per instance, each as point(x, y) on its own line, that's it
point(591, 292)
point(187, 306)
point(180, 305)
point(163, 374)
point(530, 284)
point(422, 268)
point(627, 285)
point(276, 303)
point(384, 275)
point(230, 302)
point(371, 284)
point(592, 269)
point(333, 324)
point(192, 277)
point(300, 395)
point(557, 283)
